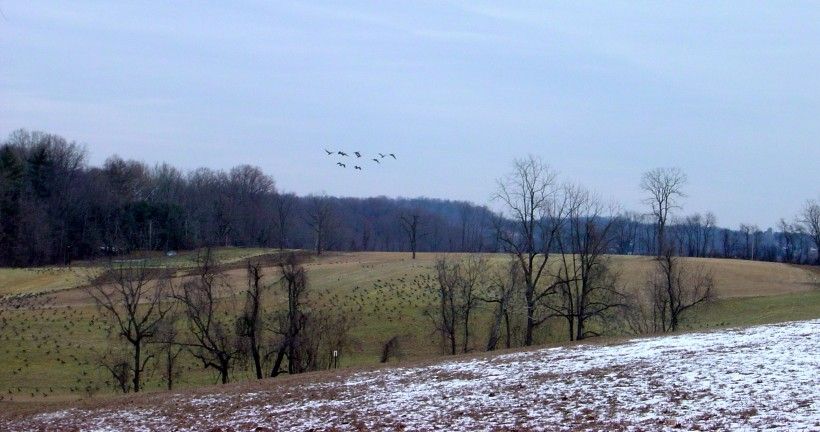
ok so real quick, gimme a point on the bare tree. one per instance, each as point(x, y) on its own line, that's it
point(319, 218)
point(326, 331)
point(457, 286)
point(168, 341)
point(283, 207)
point(210, 322)
point(676, 286)
point(250, 322)
point(293, 321)
point(473, 279)
point(444, 315)
point(729, 243)
point(692, 234)
point(626, 232)
point(810, 217)
point(787, 240)
point(410, 224)
point(531, 195)
point(708, 234)
point(664, 187)
point(749, 232)
point(390, 349)
point(119, 366)
point(589, 289)
point(507, 284)
point(133, 298)
point(249, 191)
point(465, 213)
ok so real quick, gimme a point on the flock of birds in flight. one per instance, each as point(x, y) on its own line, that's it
point(358, 156)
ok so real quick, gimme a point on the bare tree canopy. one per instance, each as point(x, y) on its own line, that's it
point(410, 224)
point(504, 289)
point(676, 286)
point(134, 299)
point(320, 217)
point(533, 198)
point(283, 209)
point(292, 321)
point(211, 322)
point(810, 218)
point(588, 289)
point(250, 322)
point(664, 187)
point(458, 285)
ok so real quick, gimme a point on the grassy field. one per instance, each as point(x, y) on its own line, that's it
point(50, 344)
point(45, 279)
point(39, 279)
point(185, 259)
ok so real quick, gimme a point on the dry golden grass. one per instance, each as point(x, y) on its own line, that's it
point(733, 278)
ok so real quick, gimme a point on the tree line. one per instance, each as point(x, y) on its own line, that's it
point(55, 208)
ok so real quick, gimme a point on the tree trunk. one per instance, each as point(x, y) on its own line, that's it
point(580, 331)
point(224, 374)
point(495, 329)
point(466, 332)
point(530, 317)
point(257, 361)
point(169, 367)
point(137, 355)
point(508, 342)
point(277, 365)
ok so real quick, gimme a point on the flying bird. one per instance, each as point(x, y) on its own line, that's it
point(392, 155)
point(357, 167)
point(341, 164)
point(328, 152)
point(358, 155)
point(341, 153)
point(381, 155)
point(376, 160)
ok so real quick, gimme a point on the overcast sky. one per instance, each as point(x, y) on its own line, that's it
point(729, 92)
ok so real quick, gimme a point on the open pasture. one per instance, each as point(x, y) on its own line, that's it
point(50, 343)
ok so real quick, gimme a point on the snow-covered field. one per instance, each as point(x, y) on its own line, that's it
point(765, 377)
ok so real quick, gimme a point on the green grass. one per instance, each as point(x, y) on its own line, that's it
point(754, 310)
point(39, 279)
point(45, 351)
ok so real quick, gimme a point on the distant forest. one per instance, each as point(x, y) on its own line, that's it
point(55, 208)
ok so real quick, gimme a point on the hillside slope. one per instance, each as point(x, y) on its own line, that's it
point(50, 344)
point(749, 378)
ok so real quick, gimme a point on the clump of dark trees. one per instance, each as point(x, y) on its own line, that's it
point(270, 327)
point(56, 208)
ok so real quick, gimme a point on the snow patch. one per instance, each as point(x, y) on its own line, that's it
point(765, 377)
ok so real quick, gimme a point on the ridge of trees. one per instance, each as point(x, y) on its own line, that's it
point(55, 208)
